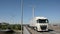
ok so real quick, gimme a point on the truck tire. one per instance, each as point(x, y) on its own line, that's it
point(36, 29)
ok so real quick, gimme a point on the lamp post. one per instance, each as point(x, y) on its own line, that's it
point(21, 16)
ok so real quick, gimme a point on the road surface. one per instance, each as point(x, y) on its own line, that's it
point(32, 31)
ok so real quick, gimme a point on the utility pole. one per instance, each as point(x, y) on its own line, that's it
point(21, 16)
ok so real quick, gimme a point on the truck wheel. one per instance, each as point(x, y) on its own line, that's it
point(36, 29)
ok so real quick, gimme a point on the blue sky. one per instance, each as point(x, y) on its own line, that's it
point(10, 10)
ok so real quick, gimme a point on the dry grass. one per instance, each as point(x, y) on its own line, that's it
point(55, 27)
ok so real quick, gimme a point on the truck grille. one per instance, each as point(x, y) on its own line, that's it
point(43, 27)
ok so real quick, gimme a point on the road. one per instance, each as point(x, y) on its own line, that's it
point(32, 31)
point(25, 31)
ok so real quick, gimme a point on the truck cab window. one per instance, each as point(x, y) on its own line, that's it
point(42, 21)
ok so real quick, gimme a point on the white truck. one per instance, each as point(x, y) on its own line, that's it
point(39, 23)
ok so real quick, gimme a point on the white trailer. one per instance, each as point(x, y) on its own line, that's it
point(39, 23)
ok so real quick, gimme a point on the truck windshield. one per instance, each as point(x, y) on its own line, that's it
point(42, 21)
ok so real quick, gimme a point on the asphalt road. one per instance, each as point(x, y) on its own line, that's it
point(25, 31)
point(49, 32)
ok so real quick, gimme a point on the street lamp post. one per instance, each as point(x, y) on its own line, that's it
point(21, 16)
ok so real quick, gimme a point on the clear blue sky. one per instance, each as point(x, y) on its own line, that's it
point(10, 10)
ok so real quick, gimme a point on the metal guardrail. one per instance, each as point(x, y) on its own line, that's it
point(26, 31)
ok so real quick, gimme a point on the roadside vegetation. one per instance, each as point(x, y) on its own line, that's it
point(4, 26)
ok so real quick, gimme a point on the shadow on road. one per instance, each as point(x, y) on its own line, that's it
point(50, 30)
